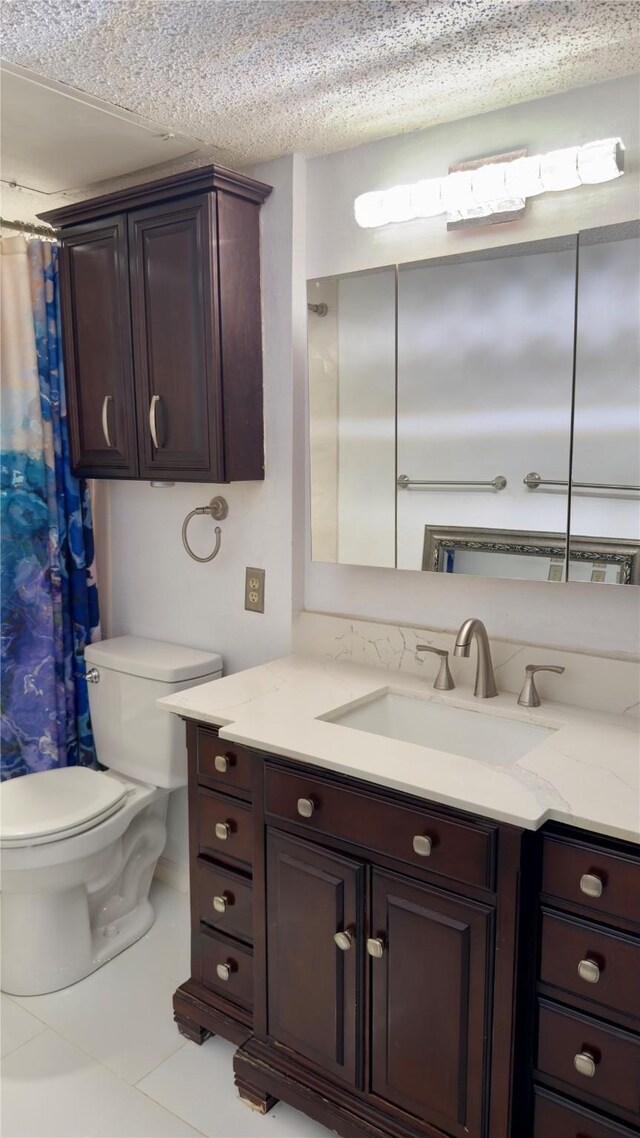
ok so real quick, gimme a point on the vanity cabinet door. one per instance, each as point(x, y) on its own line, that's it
point(94, 276)
point(176, 339)
point(313, 984)
point(430, 983)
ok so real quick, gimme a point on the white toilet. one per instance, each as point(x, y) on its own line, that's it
point(79, 846)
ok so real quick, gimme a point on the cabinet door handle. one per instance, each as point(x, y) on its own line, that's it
point(589, 971)
point(153, 423)
point(305, 807)
point(108, 399)
point(422, 845)
point(223, 971)
point(221, 763)
point(222, 831)
point(344, 940)
point(221, 902)
point(585, 1064)
point(375, 947)
point(591, 885)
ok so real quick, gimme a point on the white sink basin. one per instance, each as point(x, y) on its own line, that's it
point(444, 727)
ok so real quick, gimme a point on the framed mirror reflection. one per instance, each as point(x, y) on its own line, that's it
point(493, 392)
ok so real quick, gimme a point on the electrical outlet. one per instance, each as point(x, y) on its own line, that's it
point(254, 590)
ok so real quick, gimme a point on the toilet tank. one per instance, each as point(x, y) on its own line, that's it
point(133, 736)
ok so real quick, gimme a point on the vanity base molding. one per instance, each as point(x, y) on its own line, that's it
point(197, 1016)
point(264, 1074)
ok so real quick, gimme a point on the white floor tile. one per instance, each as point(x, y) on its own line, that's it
point(16, 1025)
point(121, 1015)
point(50, 1089)
point(197, 1084)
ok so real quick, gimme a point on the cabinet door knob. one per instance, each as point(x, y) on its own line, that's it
point(223, 831)
point(589, 971)
point(422, 845)
point(108, 399)
point(591, 885)
point(221, 902)
point(585, 1064)
point(375, 947)
point(221, 763)
point(306, 807)
point(344, 940)
point(223, 971)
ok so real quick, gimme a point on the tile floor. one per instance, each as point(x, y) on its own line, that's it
point(103, 1059)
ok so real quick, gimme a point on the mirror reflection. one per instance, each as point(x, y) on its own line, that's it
point(445, 430)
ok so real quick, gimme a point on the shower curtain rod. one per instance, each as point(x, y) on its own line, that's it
point(29, 227)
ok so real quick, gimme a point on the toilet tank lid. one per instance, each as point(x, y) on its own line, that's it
point(152, 659)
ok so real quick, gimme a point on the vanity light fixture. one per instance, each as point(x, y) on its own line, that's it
point(496, 187)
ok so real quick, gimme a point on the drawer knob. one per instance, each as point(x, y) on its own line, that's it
point(223, 971)
point(222, 902)
point(591, 885)
point(375, 947)
point(306, 807)
point(344, 940)
point(585, 1064)
point(223, 831)
point(589, 971)
point(221, 763)
point(422, 845)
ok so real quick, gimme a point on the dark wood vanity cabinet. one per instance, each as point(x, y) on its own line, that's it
point(396, 969)
point(162, 329)
point(587, 1040)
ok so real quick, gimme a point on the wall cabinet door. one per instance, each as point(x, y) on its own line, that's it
point(430, 1003)
point(313, 984)
point(97, 348)
point(174, 304)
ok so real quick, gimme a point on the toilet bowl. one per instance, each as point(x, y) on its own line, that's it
point(79, 846)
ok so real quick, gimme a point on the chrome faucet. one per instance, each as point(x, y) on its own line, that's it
point(474, 629)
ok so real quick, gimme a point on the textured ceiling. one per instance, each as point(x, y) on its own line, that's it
point(259, 78)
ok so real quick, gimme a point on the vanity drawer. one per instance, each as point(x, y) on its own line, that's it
point(227, 764)
point(224, 827)
point(557, 1118)
point(615, 1079)
point(454, 849)
point(610, 972)
point(225, 900)
point(570, 868)
point(225, 968)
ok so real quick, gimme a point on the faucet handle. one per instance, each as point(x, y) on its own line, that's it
point(444, 679)
point(529, 695)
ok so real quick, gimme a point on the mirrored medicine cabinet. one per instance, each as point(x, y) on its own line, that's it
point(480, 413)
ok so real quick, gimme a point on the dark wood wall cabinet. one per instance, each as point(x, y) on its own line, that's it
point(160, 288)
point(396, 969)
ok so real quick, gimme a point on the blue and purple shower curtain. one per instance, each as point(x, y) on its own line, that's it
point(49, 594)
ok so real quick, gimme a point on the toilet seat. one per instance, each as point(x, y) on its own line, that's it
point(51, 805)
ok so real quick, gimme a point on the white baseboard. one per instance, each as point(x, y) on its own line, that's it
point(173, 874)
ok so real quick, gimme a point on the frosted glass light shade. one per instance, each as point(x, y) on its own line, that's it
point(559, 169)
point(426, 198)
point(522, 177)
point(489, 183)
point(601, 161)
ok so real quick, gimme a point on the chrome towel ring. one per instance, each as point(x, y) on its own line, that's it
point(218, 510)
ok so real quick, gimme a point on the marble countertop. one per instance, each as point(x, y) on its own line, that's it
point(585, 774)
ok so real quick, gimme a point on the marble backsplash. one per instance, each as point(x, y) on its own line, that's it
point(602, 683)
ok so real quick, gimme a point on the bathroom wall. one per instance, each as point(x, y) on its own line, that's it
point(573, 615)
